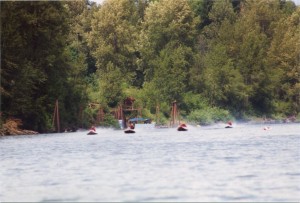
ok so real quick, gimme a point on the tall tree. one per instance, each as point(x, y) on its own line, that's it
point(220, 80)
point(81, 62)
point(223, 84)
point(167, 44)
point(254, 31)
point(202, 8)
point(283, 60)
point(35, 64)
point(166, 22)
point(172, 71)
point(113, 37)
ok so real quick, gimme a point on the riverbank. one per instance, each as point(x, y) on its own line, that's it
point(11, 127)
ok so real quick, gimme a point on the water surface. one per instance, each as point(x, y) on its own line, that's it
point(245, 163)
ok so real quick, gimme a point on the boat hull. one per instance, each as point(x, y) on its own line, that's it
point(129, 131)
point(92, 133)
point(182, 129)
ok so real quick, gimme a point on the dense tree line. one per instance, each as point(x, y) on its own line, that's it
point(215, 58)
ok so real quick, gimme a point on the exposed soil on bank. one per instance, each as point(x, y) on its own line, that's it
point(12, 127)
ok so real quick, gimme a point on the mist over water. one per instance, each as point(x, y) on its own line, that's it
point(245, 163)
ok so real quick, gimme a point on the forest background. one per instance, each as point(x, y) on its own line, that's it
point(220, 60)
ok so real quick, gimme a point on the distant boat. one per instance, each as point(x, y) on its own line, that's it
point(182, 127)
point(129, 130)
point(92, 131)
point(229, 125)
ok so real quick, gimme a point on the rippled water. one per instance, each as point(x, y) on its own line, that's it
point(245, 163)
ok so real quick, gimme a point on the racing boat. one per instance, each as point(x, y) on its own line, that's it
point(92, 131)
point(130, 129)
point(182, 127)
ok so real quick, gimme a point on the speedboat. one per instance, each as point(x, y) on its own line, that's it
point(229, 125)
point(91, 132)
point(129, 130)
point(182, 127)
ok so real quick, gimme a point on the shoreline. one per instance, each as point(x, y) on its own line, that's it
point(17, 132)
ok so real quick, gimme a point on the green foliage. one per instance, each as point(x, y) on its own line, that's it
point(110, 81)
point(283, 60)
point(171, 75)
point(113, 38)
point(202, 8)
point(192, 101)
point(33, 62)
point(242, 56)
point(223, 83)
point(110, 121)
point(106, 87)
point(167, 26)
point(209, 115)
point(88, 118)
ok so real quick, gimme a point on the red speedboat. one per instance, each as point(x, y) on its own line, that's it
point(130, 129)
point(182, 127)
point(229, 125)
point(92, 131)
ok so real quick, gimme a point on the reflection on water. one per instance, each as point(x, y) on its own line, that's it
point(245, 163)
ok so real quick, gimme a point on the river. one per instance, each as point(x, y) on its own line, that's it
point(245, 163)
